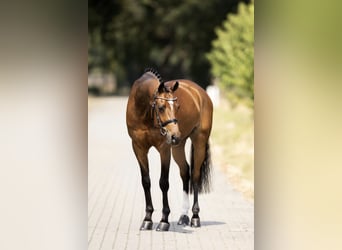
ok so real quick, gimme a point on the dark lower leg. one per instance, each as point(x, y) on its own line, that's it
point(195, 220)
point(185, 175)
point(164, 186)
point(195, 207)
point(146, 182)
point(141, 154)
point(199, 154)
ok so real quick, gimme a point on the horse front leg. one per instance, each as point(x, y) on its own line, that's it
point(185, 175)
point(141, 155)
point(165, 157)
point(178, 154)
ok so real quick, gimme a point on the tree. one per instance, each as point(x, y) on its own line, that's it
point(232, 55)
point(170, 35)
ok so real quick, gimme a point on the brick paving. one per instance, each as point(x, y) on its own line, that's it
point(116, 200)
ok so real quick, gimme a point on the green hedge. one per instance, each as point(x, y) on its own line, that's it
point(232, 56)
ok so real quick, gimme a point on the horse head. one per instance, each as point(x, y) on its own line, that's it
point(165, 106)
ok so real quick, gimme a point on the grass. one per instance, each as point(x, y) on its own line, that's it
point(233, 145)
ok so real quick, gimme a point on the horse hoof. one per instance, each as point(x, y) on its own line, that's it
point(195, 222)
point(146, 225)
point(163, 226)
point(184, 220)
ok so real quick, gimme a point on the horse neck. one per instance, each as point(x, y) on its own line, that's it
point(143, 97)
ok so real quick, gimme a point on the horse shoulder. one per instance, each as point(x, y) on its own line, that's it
point(139, 136)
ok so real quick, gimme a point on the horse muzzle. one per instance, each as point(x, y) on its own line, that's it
point(172, 138)
point(175, 140)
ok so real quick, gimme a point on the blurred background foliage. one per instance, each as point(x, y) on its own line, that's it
point(174, 36)
point(232, 56)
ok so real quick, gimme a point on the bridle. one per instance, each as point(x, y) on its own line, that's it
point(161, 124)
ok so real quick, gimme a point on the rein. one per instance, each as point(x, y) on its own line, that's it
point(161, 124)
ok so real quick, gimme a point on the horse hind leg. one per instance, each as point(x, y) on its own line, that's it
point(184, 169)
point(200, 175)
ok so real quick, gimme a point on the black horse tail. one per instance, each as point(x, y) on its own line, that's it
point(204, 184)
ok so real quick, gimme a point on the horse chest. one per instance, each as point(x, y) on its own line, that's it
point(147, 137)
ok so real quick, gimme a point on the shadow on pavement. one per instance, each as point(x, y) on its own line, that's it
point(212, 223)
point(174, 227)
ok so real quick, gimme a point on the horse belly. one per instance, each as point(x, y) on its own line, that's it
point(187, 123)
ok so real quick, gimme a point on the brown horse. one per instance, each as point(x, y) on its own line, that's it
point(164, 115)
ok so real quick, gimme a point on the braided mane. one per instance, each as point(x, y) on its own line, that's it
point(155, 73)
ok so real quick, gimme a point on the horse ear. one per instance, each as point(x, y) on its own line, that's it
point(175, 86)
point(161, 87)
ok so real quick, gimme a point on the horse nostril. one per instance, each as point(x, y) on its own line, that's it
point(174, 139)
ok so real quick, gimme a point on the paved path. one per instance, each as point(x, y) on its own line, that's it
point(116, 200)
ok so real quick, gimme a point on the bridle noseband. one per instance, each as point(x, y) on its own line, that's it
point(161, 124)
